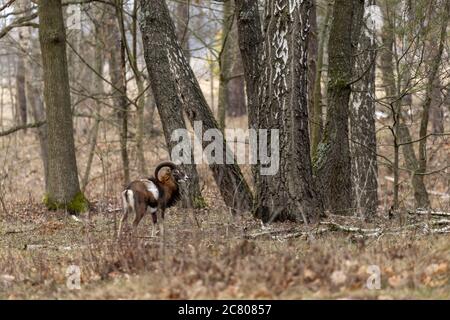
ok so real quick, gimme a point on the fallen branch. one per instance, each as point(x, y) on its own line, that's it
point(428, 212)
point(350, 228)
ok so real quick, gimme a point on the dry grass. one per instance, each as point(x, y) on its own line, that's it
point(216, 260)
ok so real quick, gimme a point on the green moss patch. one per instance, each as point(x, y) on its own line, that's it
point(78, 204)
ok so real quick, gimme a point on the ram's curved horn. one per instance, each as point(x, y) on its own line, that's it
point(163, 164)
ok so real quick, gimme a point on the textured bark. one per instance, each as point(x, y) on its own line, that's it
point(332, 160)
point(168, 103)
point(163, 51)
point(63, 186)
point(289, 194)
point(313, 52)
point(362, 124)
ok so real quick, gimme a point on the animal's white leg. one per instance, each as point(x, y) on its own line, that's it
point(127, 204)
point(153, 230)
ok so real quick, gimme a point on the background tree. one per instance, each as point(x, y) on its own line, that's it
point(63, 189)
point(362, 119)
point(332, 161)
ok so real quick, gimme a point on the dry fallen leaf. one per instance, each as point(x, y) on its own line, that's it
point(309, 275)
point(398, 280)
point(338, 277)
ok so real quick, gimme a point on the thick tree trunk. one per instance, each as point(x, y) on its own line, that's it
point(332, 160)
point(63, 189)
point(289, 194)
point(362, 123)
point(161, 46)
point(277, 93)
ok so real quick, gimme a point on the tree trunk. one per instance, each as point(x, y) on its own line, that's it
point(277, 95)
point(317, 114)
point(163, 53)
point(63, 189)
point(225, 63)
point(312, 63)
point(402, 136)
point(332, 160)
point(235, 81)
point(362, 123)
point(20, 90)
point(117, 69)
point(433, 76)
point(250, 45)
point(289, 194)
point(183, 15)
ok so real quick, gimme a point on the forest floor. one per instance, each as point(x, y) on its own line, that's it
point(215, 255)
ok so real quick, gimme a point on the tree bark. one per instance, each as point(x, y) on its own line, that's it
point(362, 123)
point(332, 160)
point(277, 99)
point(63, 189)
point(313, 52)
point(163, 53)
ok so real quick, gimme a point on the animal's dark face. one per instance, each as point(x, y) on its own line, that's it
point(179, 175)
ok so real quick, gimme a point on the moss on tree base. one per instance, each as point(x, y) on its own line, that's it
point(199, 203)
point(78, 204)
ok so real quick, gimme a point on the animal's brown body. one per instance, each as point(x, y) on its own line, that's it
point(154, 193)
